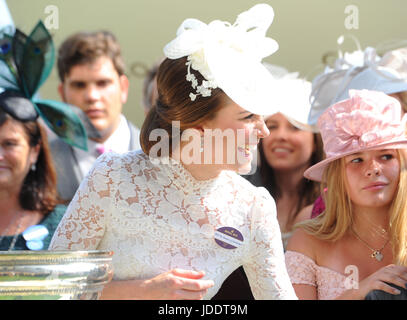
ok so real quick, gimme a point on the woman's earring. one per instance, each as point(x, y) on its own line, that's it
point(202, 144)
point(33, 167)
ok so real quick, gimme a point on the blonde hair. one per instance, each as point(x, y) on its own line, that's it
point(398, 215)
point(337, 218)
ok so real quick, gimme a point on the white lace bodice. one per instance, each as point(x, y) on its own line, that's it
point(156, 217)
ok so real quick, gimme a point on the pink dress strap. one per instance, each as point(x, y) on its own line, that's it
point(303, 270)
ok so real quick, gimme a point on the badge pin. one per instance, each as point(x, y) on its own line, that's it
point(228, 237)
point(34, 236)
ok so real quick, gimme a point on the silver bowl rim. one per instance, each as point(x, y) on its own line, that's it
point(27, 256)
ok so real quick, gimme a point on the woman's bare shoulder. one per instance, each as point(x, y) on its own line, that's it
point(304, 214)
point(305, 243)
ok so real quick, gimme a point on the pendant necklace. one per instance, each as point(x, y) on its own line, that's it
point(376, 253)
point(377, 230)
point(14, 240)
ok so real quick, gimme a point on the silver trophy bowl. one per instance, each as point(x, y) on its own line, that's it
point(54, 275)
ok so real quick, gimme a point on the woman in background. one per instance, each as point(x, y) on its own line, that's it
point(286, 153)
point(29, 209)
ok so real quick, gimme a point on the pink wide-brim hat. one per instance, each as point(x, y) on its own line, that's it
point(368, 120)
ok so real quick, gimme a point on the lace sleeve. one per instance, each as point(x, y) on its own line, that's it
point(266, 269)
point(84, 222)
point(300, 268)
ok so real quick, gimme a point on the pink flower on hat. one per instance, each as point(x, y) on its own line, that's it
point(366, 119)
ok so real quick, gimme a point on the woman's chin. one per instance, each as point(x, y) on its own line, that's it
point(245, 162)
point(245, 168)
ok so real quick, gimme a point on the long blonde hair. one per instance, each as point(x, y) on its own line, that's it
point(337, 218)
point(398, 215)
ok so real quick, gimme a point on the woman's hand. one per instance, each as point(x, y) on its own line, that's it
point(176, 284)
point(376, 281)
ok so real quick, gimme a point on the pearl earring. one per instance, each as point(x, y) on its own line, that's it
point(33, 167)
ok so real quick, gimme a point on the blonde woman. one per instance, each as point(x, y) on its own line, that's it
point(388, 75)
point(358, 244)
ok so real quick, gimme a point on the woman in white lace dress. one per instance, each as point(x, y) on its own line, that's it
point(179, 218)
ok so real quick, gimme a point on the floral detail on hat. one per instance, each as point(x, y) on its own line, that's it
point(197, 62)
point(207, 46)
point(367, 119)
point(350, 132)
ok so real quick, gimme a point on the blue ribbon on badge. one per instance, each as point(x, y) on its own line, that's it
point(34, 236)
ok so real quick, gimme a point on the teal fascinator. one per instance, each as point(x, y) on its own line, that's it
point(25, 64)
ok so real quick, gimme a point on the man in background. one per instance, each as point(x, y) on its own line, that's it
point(91, 73)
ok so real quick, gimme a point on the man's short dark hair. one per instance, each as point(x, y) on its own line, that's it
point(87, 47)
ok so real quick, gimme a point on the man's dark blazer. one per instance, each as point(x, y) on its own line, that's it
point(382, 295)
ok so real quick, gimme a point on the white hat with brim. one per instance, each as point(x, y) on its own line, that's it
point(387, 74)
point(292, 97)
point(295, 104)
point(380, 79)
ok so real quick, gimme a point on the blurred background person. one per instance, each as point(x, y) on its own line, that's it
point(287, 152)
point(92, 74)
point(29, 204)
point(28, 194)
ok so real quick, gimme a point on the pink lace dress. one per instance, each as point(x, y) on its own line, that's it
point(156, 217)
point(303, 270)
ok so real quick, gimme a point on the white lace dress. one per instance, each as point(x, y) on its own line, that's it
point(156, 217)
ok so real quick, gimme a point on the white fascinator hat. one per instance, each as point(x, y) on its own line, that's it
point(229, 57)
point(388, 75)
point(358, 70)
point(296, 92)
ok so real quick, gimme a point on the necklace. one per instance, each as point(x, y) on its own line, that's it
point(379, 230)
point(14, 240)
point(376, 253)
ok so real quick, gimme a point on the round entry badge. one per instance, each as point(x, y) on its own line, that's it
point(228, 237)
point(34, 236)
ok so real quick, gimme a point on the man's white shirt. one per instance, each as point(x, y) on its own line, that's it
point(118, 142)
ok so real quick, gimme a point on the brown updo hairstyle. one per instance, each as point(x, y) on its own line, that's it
point(39, 189)
point(174, 104)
